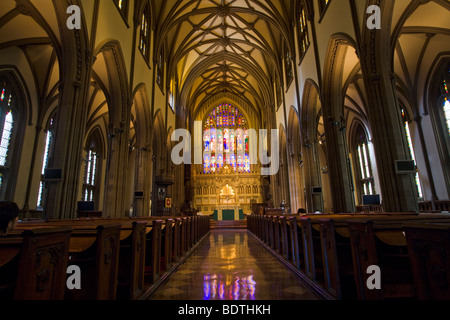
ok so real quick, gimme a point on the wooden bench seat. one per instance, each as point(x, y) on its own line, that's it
point(143, 250)
point(311, 239)
point(337, 253)
point(158, 242)
point(382, 242)
point(429, 252)
point(95, 249)
point(33, 264)
point(130, 283)
point(319, 246)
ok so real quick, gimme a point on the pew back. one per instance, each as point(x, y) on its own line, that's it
point(34, 262)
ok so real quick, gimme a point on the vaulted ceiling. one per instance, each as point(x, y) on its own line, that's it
point(422, 38)
point(224, 46)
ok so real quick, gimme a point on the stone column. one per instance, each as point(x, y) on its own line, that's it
point(434, 197)
point(390, 144)
point(388, 134)
point(339, 165)
point(75, 64)
point(143, 181)
point(117, 162)
point(313, 177)
point(61, 199)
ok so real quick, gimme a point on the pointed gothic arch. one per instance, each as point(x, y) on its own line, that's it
point(14, 110)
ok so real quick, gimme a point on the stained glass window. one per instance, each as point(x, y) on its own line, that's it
point(172, 95)
point(6, 137)
point(47, 151)
point(411, 151)
point(92, 167)
point(288, 67)
point(446, 105)
point(7, 128)
point(364, 164)
point(225, 139)
point(144, 42)
point(323, 4)
point(303, 32)
point(122, 5)
point(159, 69)
point(90, 176)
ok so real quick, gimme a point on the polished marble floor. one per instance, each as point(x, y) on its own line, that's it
point(232, 265)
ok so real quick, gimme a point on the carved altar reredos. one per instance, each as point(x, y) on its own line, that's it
point(227, 196)
point(227, 190)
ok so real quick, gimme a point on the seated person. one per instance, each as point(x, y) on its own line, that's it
point(9, 216)
point(301, 211)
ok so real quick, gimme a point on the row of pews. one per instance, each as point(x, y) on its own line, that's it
point(434, 206)
point(335, 254)
point(123, 258)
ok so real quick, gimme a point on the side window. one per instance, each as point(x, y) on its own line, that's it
point(288, 67)
point(323, 5)
point(160, 69)
point(48, 151)
point(92, 168)
point(144, 42)
point(303, 32)
point(8, 129)
point(364, 174)
point(412, 153)
point(122, 6)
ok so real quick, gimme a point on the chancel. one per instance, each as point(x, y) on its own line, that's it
point(317, 133)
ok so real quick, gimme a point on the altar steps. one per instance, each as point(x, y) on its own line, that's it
point(229, 224)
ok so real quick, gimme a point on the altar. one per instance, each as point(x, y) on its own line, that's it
point(222, 214)
point(228, 208)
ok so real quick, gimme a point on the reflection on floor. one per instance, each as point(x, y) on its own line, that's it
point(232, 265)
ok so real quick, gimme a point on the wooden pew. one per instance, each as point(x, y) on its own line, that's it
point(369, 208)
point(132, 261)
point(297, 253)
point(284, 247)
point(167, 245)
point(279, 235)
point(310, 241)
point(312, 254)
point(315, 264)
point(273, 211)
point(336, 249)
point(337, 259)
point(155, 262)
point(274, 232)
point(95, 249)
point(332, 245)
point(436, 207)
point(382, 242)
point(130, 283)
point(144, 262)
point(183, 235)
point(429, 253)
point(177, 252)
point(165, 239)
point(189, 232)
point(33, 264)
point(268, 232)
point(153, 252)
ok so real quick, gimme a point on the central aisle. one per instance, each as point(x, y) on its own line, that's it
point(232, 265)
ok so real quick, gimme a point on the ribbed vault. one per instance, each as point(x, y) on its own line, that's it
point(216, 47)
